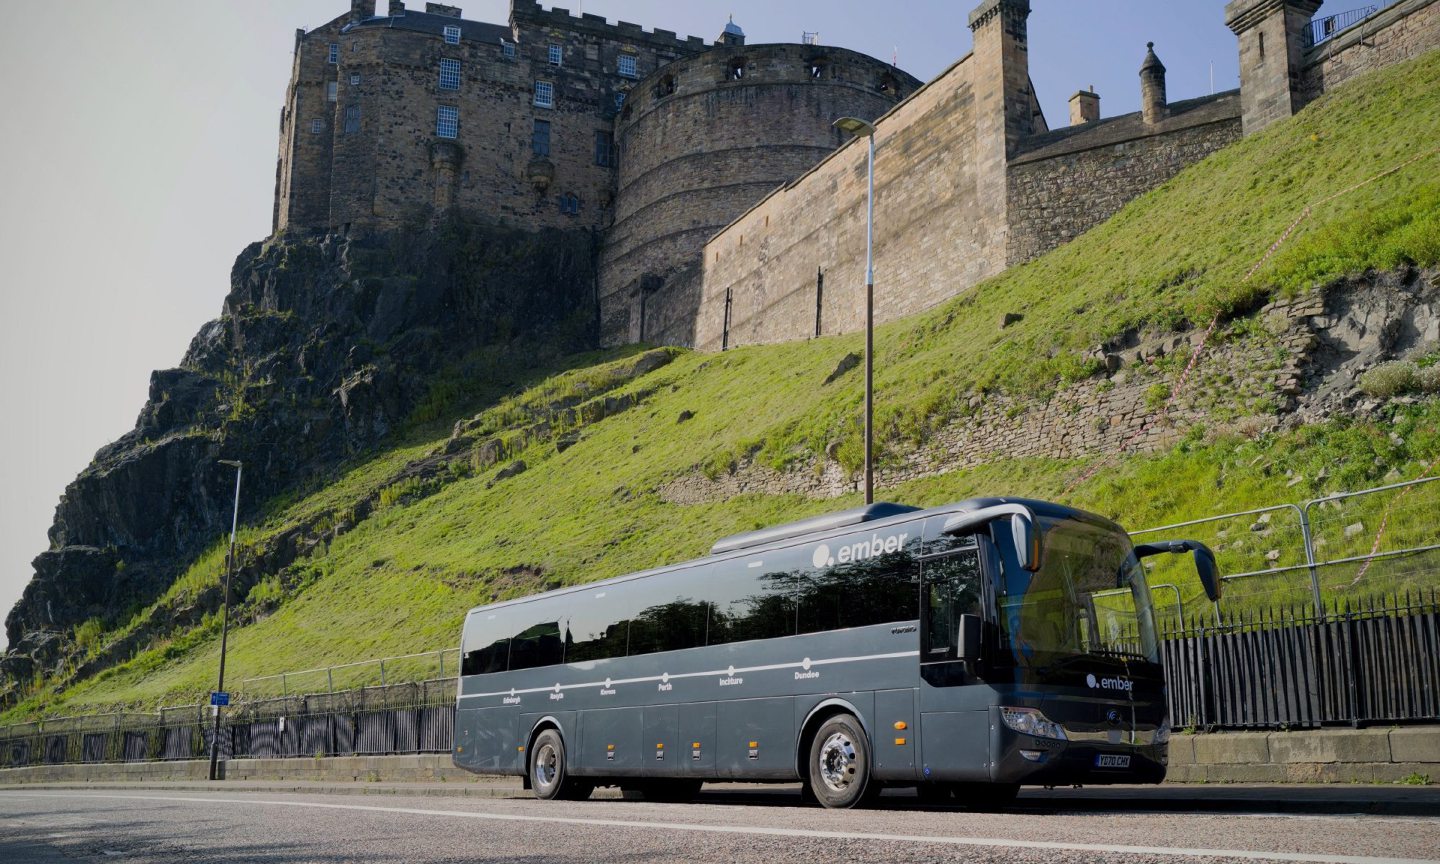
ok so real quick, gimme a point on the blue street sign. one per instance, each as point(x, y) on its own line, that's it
point(219, 698)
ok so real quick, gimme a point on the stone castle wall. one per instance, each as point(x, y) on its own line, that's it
point(704, 138)
point(1066, 183)
point(1407, 29)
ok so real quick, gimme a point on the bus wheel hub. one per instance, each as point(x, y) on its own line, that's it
point(837, 762)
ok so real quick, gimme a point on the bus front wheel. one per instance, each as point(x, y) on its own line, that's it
point(548, 775)
point(840, 763)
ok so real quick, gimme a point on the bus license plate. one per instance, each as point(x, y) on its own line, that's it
point(1111, 760)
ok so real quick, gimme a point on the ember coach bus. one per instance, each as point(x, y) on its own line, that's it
point(963, 650)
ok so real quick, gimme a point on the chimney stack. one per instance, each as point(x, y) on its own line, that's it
point(1085, 107)
point(397, 8)
point(362, 9)
point(1152, 87)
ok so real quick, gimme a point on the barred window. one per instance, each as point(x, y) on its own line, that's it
point(352, 119)
point(447, 121)
point(317, 126)
point(354, 79)
point(452, 34)
point(540, 138)
point(334, 56)
point(507, 49)
point(556, 55)
point(627, 66)
point(332, 89)
point(569, 204)
point(544, 94)
point(449, 74)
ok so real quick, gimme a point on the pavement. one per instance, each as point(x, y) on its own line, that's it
point(268, 822)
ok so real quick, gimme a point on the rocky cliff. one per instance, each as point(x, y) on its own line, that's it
point(325, 346)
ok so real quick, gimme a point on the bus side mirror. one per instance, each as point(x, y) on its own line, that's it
point(1205, 566)
point(1024, 530)
point(967, 639)
point(1027, 542)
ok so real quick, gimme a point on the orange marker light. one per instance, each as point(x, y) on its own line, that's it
point(754, 743)
point(609, 746)
point(696, 745)
point(900, 741)
point(901, 725)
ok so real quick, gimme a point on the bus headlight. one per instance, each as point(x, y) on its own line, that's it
point(1162, 732)
point(1028, 721)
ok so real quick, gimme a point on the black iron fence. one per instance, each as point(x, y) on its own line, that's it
point(398, 719)
point(1372, 661)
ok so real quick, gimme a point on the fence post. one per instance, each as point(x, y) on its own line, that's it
point(382, 673)
point(1310, 557)
point(441, 655)
point(330, 679)
point(284, 685)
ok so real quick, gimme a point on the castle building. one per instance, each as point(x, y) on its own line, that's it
point(728, 208)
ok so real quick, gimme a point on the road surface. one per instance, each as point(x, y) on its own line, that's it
point(1173, 824)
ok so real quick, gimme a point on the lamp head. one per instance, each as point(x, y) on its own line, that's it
point(855, 126)
point(231, 462)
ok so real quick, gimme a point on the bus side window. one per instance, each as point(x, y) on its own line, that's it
point(488, 658)
point(755, 602)
point(536, 646)
point(875, 589)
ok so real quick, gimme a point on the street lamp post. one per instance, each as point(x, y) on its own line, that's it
point(860, 128)
point(225, 617)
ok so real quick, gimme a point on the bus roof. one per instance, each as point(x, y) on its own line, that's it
point(817, 526)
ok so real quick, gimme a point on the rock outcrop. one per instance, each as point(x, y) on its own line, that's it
point(326, 345)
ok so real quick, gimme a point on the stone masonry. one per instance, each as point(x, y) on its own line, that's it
point(729, 210)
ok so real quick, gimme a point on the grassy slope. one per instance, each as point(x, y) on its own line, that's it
point(401, 580)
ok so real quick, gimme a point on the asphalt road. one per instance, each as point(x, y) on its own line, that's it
point(1192, 824)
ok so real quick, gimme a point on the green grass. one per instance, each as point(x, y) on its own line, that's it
point(399, 580)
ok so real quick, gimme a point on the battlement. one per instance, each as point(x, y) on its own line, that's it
point(532, 13)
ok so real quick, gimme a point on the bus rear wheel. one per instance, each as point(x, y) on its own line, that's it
point(548, 776)
point(840, 764)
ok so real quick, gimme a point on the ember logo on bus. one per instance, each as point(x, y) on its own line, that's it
point(1108, 683)
point(858, 551)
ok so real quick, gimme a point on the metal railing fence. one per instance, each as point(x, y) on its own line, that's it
point(1370, 661)
point(415, 717)
point(1315, 553)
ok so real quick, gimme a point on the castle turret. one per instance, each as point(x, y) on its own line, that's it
point(731, 35)
point(1084, 107)
point(1152, 87)
point(1271, 34)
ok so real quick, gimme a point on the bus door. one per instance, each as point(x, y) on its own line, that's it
point(954, 704)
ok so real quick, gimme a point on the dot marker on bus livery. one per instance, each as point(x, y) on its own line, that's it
point(805, 664)
point(665, 677)
point(730, 671)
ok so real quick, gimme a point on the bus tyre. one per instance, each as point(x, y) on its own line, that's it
point(840, 764)
point(548, 777)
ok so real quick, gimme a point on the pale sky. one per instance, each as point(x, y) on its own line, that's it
point(137, 158)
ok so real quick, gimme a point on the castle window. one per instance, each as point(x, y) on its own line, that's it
point(544, 94)
point(317, 126)
point(627, 67)
point(354, 80)
point(507, 49)
point(666, 87)
point(452, 34)
point(449, 74)
point(817, 68)
point(569, 204)
point(737, 69)
point(447, 121)
point(352, 119)
point(334, 56)
point(556, 55)
point(604, 149)
point(332, 90)
point(540, 138)
point(619, 102)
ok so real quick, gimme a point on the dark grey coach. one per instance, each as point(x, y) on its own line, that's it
point(963, 650)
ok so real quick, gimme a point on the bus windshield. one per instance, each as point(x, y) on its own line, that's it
point(1088, 598)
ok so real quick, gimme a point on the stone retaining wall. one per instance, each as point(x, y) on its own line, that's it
point(1313, 756)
